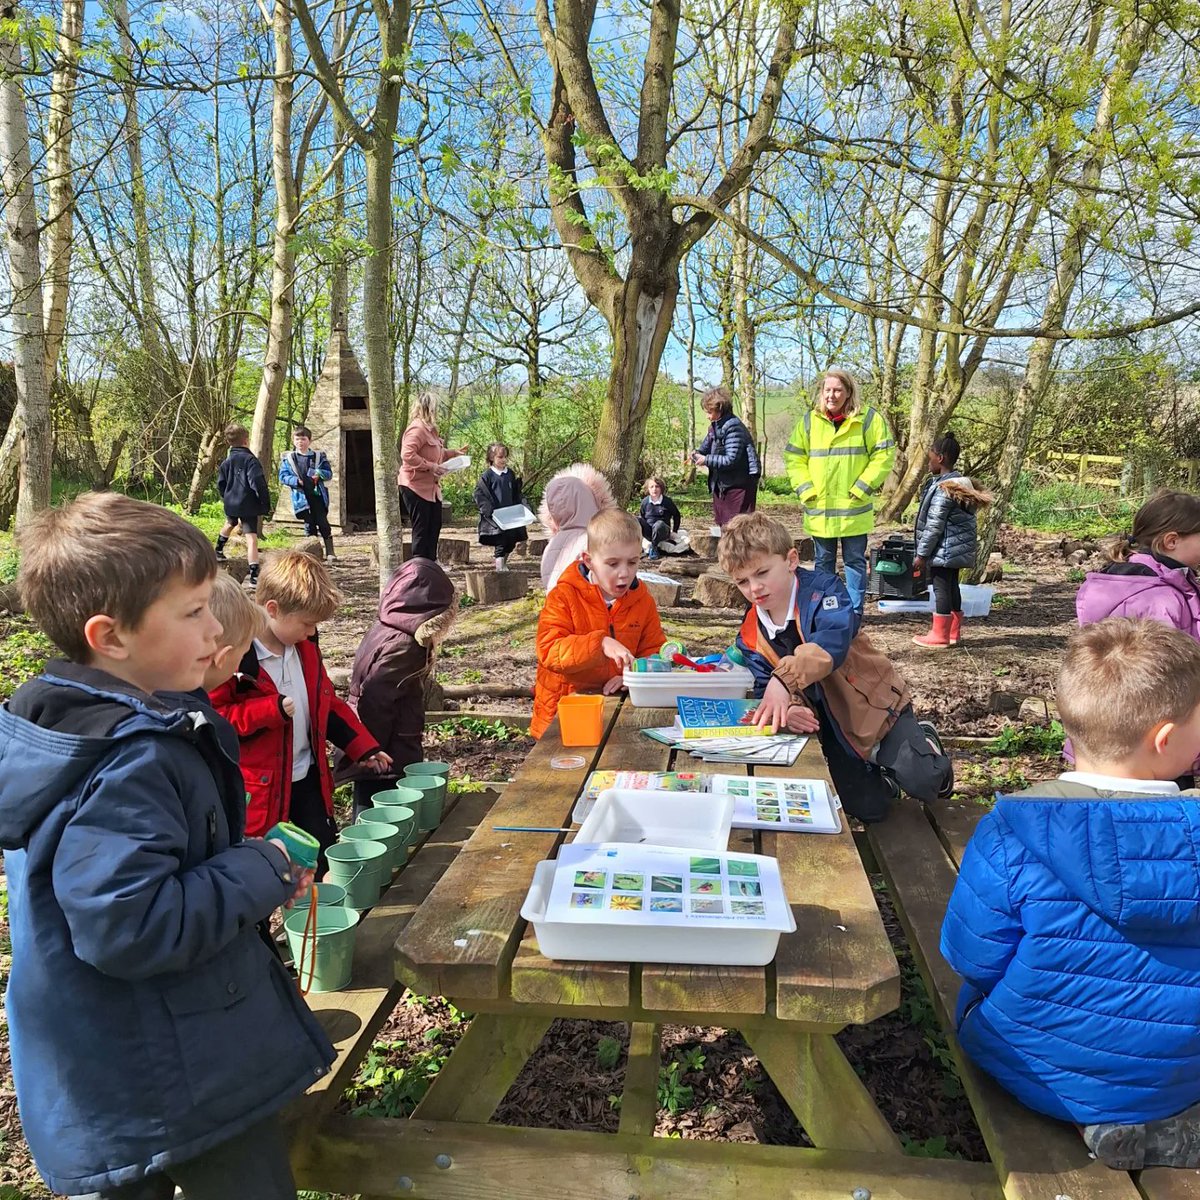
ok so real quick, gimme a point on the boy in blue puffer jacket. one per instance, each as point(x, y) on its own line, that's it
point(1075, 922)
point(155, 1033)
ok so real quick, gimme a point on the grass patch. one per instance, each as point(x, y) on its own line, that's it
point(23, 653)
point(1077, 510)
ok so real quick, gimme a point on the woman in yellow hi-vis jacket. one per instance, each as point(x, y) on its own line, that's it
point(837, 458)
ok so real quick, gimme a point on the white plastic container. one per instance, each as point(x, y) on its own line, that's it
point(691, 820)
point(513, 516)
point(459, 462)
point(707, 946)
point(976, 600)
point(661, 689)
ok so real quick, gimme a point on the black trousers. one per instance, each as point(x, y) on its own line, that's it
point(904, 756)
point(252, 1165)
point(656, 533)
point(308, 811)
point(947, 598)
point(426, 518)
point(316, 518)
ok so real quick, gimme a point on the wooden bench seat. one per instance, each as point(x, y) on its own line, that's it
point(918, 849)
point(352, 1017)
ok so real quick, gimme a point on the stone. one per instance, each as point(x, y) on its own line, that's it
point(714, 589)
point(1037, 710)
point(532, 547)
point(494, 587)
point(666, 595)
point(454, 550)
point(993, 572)
point(236, 568)
point(312, 546)
point(10, 599)
point(1004, 702)
point(705, 544)
point(1078, 558)
point(339, 677)
point(804, 548)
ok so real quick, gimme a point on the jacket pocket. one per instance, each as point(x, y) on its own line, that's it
point(234, 1036)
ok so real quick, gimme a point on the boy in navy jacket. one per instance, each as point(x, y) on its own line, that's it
point(1075, 922)
point(817, 674)
point(242, 486)
point(155, 1034)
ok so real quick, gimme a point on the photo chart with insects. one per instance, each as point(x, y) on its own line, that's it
point(619, 883)
point(784, 805)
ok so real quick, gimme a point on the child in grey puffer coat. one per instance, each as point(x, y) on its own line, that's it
point(946, 539)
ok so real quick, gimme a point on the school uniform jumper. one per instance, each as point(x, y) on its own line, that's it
point(242, 486)
point(659, 520)
point(498, 489)
point(869, 735)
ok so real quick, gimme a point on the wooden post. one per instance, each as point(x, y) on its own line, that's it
point(1192, 464)
point(1083, 462)
point(491, 587)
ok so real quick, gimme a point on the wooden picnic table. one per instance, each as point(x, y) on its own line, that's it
point(467, 942)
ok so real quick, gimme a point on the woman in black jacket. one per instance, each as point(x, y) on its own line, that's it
point(729, 454)
point(498, 487)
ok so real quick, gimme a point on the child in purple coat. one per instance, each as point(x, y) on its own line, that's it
point(1153, 571)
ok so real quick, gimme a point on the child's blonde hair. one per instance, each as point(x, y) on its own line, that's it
point(749, 535)
point(1122, 677)
point(611, 527)
point(298, 583)
point(241, 619)
point(108, 554)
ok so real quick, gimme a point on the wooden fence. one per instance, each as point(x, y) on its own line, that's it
point(1122, 475)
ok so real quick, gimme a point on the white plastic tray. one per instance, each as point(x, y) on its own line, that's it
point(692, 820)
point(575, 941)
point(976, 598)
point(513, 516)
point(661, 689)
point(460, 462)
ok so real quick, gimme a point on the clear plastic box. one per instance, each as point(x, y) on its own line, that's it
point(513, 516)
point(976, 598)
point(661, 689)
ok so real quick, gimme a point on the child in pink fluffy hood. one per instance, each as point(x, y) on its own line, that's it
point(571, 499)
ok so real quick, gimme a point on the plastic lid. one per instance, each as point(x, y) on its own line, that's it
point(568, 762)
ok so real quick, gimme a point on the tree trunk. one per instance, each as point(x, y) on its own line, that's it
point(61, 195)
point(338, 290)
point(377, 271)
point(689, 470)
point(283, 262)
point(31, 418)
point(212, 443)
point(743, 322)
point(643, 314)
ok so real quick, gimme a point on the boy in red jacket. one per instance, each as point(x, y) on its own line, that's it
point(597, 618)
point(284, 709)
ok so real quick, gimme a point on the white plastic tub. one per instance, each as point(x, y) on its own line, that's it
point(976, 598)
point(513, 516)
point(460, 462)
point(692, 820)
point(661, 689)
point(705, 945)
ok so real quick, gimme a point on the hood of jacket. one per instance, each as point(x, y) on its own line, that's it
point(573, 497)
point(962, 491)
point(55, 729)
point(1103, 592)
point(417, 591)
point(1133, 862)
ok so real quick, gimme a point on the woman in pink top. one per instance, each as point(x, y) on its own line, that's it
point(422, 453)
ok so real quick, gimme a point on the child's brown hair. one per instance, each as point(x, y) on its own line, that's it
point(1166, 512)
point(662, 487)
point(237, 435)
point(493, 449)
point(241, 619)
point(104, 553)
point(1122, 677)
point(611, 527)
point(749, 535)
point(299, 583)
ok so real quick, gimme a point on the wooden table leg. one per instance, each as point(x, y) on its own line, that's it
point(821, 1088)
point(482, 1067)
point(639, 1099)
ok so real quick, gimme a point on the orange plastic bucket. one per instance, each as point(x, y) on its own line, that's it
point(581, 720)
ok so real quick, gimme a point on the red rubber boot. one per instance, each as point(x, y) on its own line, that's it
point(938, 638)
point(956, 620)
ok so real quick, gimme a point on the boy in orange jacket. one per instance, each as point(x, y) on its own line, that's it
point(597, 619)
